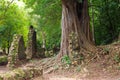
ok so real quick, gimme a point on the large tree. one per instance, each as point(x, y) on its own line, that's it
point(75, 19)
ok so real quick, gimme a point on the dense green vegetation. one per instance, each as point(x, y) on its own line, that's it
point(45, 16)
point(13, 20)
point(106, 20)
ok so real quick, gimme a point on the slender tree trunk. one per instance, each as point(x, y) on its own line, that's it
point(93, 33)
point(8, 47)
point(43, 40)
point(75, 19)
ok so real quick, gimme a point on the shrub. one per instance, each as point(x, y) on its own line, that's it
point(117, 58)
point(66, 60)
point(3, 60)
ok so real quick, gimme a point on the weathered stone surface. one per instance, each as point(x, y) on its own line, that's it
point(17, 51)
point(75, 56)
point(25, 73)
point(31, 46)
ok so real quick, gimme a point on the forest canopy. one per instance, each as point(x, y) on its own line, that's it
point(45, 15)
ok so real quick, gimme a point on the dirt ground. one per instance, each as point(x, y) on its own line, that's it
point(3, 69)
point(94, 71)
point(105, 68)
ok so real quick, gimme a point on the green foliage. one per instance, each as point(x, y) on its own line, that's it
point(81, 57)
point(49, 14)
point(13, 20)
point(66, 60)
point(47, 17)
point(106, 20)
point(117, 58)
point(106, 50)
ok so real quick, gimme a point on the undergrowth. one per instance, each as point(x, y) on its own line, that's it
point(66, 60)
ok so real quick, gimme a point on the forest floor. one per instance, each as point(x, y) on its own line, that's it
point(107, 67)
point(93, 71)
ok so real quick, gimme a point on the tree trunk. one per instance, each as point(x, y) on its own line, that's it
point(8, 46)
point(75, 19)
point(93, 12)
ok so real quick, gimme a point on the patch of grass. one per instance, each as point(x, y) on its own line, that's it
point(106, 50)
point(66, 60)
point(81, 57)
point(117, 58)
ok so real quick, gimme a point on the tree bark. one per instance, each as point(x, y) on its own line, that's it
point(75, 18)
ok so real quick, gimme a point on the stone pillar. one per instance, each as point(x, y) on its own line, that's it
point(17, 51)
point(31, 46)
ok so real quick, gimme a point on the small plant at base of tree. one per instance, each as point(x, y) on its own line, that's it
point(117, 58)
point(66, 60)
point(106, 50)
point(81, 58)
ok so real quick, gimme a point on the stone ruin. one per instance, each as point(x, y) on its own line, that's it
point(17, 51)
point(31, 49)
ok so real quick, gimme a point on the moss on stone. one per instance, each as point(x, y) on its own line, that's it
point(21, 74)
